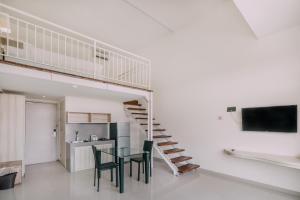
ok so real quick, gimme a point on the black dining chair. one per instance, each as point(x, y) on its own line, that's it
point(102, 167)
point(148, 148)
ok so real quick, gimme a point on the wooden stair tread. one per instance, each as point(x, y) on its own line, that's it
point(180, 159)
point(134, 103)
point(187, 168)
point(143, 118)
point(158, 129)
point(175, 150)
point(136, 108)
point(161, 136)
point(166, 143)
point(139, 113)
point(154, 124)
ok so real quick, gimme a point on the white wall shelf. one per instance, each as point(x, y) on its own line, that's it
point(285, 161)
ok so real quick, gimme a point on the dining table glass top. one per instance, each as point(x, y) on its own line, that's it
point(123, 152)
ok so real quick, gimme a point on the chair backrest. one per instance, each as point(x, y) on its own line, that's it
point(94, 150)
point(148, 145)
point(95, 156)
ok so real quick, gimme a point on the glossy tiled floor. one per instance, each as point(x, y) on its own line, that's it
point(51, 181)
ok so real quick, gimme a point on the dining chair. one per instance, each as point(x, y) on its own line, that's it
point(148, 148)
point(102, 167)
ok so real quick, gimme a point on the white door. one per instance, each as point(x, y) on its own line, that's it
point(40, 139)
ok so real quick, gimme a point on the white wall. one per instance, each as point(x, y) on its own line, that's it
point(79, 104)
point(85, 130)
point(215, 63)
point(12, 128)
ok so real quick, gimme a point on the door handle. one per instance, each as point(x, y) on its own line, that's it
point(54, 133)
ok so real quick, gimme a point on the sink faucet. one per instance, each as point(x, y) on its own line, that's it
point(76, 137)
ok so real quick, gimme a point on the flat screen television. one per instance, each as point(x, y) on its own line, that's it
point(272, 119)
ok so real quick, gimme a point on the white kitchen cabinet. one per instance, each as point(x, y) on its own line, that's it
point(85, 118)
point(84, 158)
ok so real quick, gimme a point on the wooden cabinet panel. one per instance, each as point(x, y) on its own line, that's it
point(79, 117)
point(100, 118)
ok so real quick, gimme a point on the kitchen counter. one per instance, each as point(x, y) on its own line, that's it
point(79, 156)
point(78, 144)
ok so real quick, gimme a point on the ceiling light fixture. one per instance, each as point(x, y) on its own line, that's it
point(74, 86)
point(44, 96)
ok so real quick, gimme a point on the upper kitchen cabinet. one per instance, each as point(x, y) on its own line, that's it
point(81, 117)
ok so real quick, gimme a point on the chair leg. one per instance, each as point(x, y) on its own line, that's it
point(130, 171)
point(117, 177)
point(139, 171)
point(98, 177)
point(143, 167)
point(111, 175)
point(150, 167)
point(95, 177)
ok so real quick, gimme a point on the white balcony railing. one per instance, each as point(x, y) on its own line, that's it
point(53, 47)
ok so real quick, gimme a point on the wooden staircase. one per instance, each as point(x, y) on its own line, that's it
point(162, 141)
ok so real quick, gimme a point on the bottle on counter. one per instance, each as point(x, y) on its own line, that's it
point(76, 136)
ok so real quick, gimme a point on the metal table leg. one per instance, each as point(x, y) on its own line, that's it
point(121, 174)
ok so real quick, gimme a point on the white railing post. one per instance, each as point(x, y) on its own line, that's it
point(7, 43)
point(18, 24)
point(94, 60)
point(65, 62)
point(58, 50)
point(150, 121)
point(149, 74)
point(77, 53)
point(35, 43)
point(51, 48)
point(26, 42)
point(43, 48)
point(150, 116)
point(103, 70)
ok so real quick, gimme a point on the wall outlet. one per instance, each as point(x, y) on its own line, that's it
point(231, 109)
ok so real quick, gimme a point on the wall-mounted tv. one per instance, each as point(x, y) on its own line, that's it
point(272, 119)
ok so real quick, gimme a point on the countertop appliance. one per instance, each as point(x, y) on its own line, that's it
point(93, 137)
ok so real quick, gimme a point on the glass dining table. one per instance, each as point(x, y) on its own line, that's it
point(120, 154)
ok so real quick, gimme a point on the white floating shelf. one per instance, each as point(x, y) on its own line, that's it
point(285, 161)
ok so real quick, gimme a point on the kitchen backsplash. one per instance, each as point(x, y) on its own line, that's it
point(85, 130)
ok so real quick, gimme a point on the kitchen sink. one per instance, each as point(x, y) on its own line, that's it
point(79, 141)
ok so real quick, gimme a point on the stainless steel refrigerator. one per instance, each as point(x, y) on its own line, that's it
point(120, 132)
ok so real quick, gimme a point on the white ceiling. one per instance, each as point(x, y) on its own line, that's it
point(134, 24)
point(129, 24)
point(35, 88)
point(269, 16)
